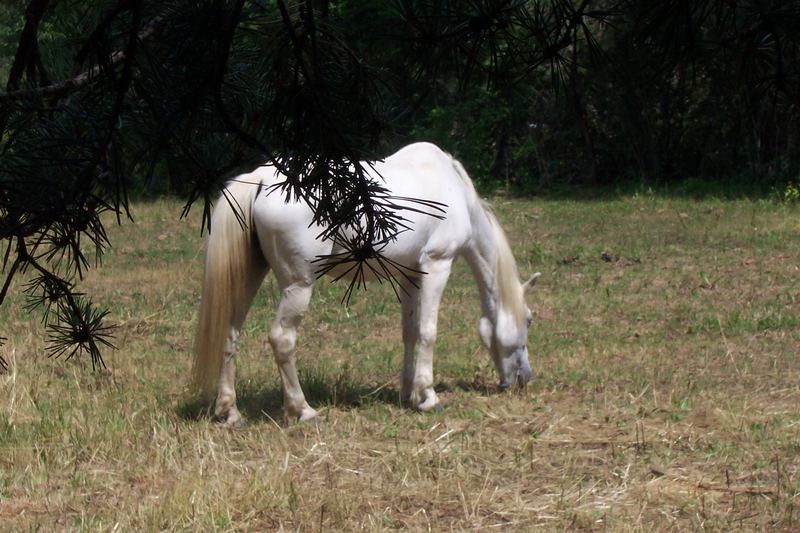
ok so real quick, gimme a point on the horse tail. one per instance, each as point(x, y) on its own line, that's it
point(231, 262)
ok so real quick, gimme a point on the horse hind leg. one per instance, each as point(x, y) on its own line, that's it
point(283, 338)
point(225, 409)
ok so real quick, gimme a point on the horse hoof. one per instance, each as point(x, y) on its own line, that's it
point(235, 423)
point(430, 407)
point(313, 422)
point(310, 417)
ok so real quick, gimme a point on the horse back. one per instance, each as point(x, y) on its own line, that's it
point(420, 171)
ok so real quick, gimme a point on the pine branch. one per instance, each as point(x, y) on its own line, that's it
point(65, 87)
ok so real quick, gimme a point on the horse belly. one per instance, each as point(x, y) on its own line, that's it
point(404, 255)
point(407, 255)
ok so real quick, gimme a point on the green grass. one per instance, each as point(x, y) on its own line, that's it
point(665, 392)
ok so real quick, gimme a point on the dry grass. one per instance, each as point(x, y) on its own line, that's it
point(665, 396)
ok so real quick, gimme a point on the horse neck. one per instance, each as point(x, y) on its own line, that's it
point(481, 255)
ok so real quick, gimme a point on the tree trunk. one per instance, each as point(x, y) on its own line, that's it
point(583, 123)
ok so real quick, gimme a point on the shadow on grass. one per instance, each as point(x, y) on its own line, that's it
point(481, 387)
point(322, 391)
point(261, 404)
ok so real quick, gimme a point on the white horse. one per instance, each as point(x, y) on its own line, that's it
point(280, 237)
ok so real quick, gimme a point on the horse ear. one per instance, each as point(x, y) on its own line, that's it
point(528, 285)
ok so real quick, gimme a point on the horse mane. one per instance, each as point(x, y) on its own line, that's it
point(506, 276)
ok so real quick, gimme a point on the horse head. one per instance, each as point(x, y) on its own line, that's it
point(506, 337)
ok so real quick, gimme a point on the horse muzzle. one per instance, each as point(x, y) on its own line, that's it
point(518, 373)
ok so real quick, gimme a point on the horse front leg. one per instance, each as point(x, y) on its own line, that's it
point(423, 397)
point(283, 338)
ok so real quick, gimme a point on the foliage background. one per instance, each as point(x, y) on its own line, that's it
point(646, 92)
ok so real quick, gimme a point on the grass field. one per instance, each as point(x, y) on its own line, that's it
point(666, 391)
